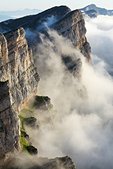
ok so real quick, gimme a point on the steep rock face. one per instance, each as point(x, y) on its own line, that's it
point(72, 26)
point(3, 58)
point(8, 122)
point(18, 81)
point(24, 78)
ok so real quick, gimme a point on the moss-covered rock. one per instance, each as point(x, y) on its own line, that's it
point(24, 137)
point(32, 150)
point(42, 102)
point(30, 121)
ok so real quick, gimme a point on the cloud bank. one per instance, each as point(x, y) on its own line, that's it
point(81, 123)
point(100, 36)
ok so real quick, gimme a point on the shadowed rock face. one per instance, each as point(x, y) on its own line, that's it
point(18, 80)
point(42, 102)
point(33, 21)
point(9, 129)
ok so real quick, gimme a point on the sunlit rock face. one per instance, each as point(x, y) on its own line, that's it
point(18, 81)
point(22, 75)
point(3, 58)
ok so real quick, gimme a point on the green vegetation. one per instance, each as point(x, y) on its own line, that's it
point(26, 111)
point(26, 117)
point(23, 141)
point(22, 128)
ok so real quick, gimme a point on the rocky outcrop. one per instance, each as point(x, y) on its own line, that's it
point(57, 163)
point(18, 82)
point(42, 163)
point(42, 102)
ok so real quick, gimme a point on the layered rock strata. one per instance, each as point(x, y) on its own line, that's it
point(18, 81)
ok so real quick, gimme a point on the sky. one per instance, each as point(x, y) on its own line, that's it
point(44, 4)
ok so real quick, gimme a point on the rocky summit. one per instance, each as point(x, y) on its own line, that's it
point(18, 74)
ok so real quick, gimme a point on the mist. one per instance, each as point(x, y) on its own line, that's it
point(80, 124)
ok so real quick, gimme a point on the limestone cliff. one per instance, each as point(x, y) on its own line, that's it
point(18, 81)
point(72, 26)
point(9, 130)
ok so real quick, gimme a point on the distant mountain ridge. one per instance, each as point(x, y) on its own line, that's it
point(5, 15)
point(92, 10)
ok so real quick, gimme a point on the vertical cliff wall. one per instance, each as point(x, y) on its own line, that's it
point(18, 81)
point(72, 26)
point(22, 74)
point(9, 129)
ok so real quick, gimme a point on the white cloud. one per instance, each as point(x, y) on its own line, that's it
point(100, 36)
point(81, 123)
